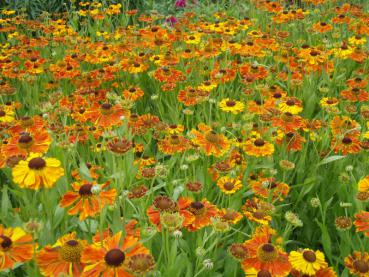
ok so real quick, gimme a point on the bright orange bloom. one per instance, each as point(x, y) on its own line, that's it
point(210, 142)
point(349, 144)
point(258, 147)
point(23, 144)
point(64, 257)
point(133, 93)
point(173, 144)
point(263, 255)
point(322, 27)
point(85, 201)
point(362, 222)
point(116, 257)
point(358, 263)
point(355, 95)
point(15, 247)
point(197, 213)
point(269, 186)
point(230, 216)
point(106, 115)
point(288, 122)
point(258, 211)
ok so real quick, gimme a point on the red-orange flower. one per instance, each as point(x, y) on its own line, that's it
point(362, 222)
point(87, 199)
point(116, 257)
point(15, 247)
point(211, 142)
point(62, 258)
point(197, 213)
point(263, 255)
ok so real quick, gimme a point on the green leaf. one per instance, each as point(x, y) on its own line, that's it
point(331, 159)
point(85, 172)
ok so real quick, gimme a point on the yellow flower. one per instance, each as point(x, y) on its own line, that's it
point(328, 102)
point(193, 38)
point(232, 106)
point(229, 185)
point(6, 114)
point(37, 172)
point(290, 105)
point(207, 86)
point(258, 147)
point(357, 40)
point(363, 185)
point(343, 52)
point(307, 261)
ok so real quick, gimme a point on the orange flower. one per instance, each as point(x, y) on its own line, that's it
point(133, 93)
point(62, 258)
point(322, 27)
point(358, 263)
point(355, 95)
point(349, 144)
point(263, 255)
point(229, 215)
point(198, 214)
point(161, 204)
point(258, 147)
point(288, 122)
point(362, 222)
point(85, 201)
point(211, 142)
point(357, 83)
point(191, 96)
point(269, 186)
point(106, 115)
point(23, 144)
point(116, 257)
point(173, 144)
point(293, 140)
point(15, 247)
point(27, 124)
point(258, 211)
point(344, 125)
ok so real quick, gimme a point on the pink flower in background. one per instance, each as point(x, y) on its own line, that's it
point(171, 20)
point(180, 3)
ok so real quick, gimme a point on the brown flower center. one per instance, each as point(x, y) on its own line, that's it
point(114, 257)
point(309, 256)
point(26, 122)
point(5, 242)
point(37, 163)
point(141, 263)
point(163, 203)
point(85, 190)
point(71, 251)
point(264, 273)
point(258, 215)
point(361, 266)
point(174, 139)
point(25, 141)
point(267, 252)
point(106, 108)
point(231, 103)
point(259, 142)
point(229, 185)
point(239, 251)
point(197, 208)
point(2, 113)
point(346, 140)
point(212, 137)
point(290, 102)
